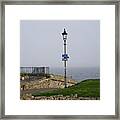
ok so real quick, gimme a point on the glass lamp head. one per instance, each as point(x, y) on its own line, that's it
point(64, 34)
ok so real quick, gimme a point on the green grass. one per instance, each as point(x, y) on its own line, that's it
point(86, 88)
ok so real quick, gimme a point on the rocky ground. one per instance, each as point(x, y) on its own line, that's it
point(36, 84)
point(57, 97)
point(52, 88)
point(55, 81)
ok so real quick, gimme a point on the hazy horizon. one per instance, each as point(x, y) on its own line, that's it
point(41, 43)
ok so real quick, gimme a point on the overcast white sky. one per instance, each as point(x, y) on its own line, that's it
point(41, 43)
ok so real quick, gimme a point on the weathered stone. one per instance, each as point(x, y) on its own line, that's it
point(76, 95)
point(54, 82)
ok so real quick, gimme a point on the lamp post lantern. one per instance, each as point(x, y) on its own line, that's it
point(65, 55)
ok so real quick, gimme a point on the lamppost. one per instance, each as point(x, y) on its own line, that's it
point(65, 55)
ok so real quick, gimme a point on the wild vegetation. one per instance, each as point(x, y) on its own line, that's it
point(86, 88)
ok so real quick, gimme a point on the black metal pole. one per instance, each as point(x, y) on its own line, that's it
point(65, 64)
point(65, 56)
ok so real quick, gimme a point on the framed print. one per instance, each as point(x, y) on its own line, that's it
point(60, 59)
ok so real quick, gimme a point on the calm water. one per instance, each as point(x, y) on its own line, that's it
point(78, 73)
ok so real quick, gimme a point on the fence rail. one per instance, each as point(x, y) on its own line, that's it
point(35, 70)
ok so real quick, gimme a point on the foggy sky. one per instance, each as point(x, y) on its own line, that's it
point(41, 43)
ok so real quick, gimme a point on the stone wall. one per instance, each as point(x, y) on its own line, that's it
point(57, 97)
point(52, 82)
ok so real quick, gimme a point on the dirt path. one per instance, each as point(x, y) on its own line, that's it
point(41, 90)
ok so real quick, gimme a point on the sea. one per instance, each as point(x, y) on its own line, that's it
point(77, 73)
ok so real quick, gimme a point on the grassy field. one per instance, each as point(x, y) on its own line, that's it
point(86, 88)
